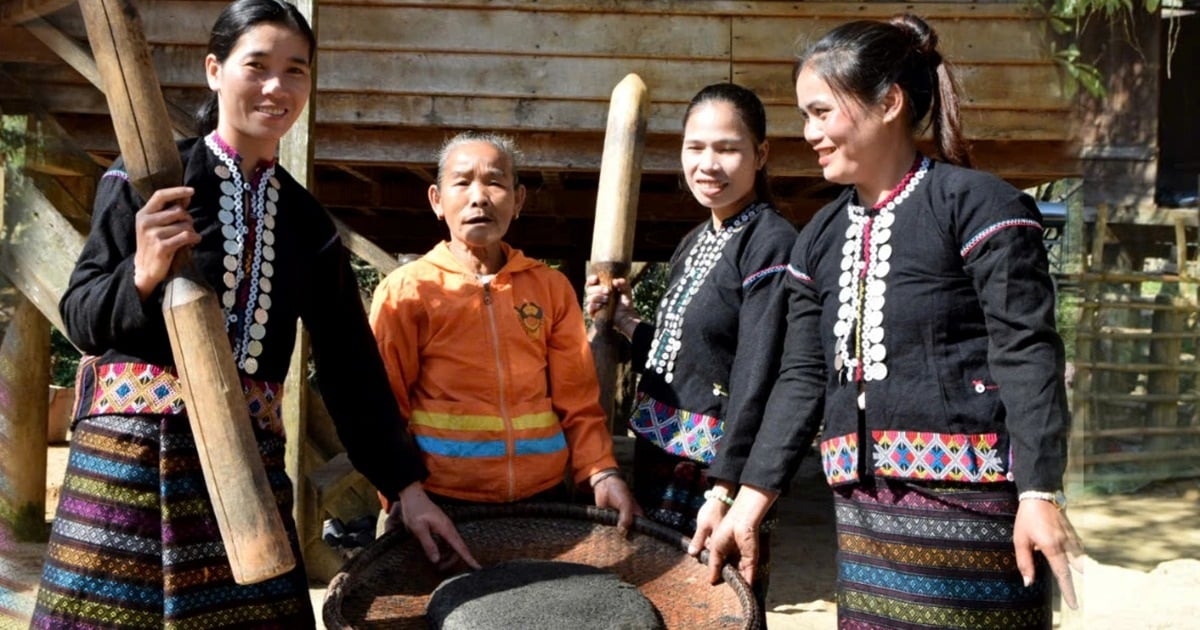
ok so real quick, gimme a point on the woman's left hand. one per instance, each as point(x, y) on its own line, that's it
point(737, 535)
point(709, 517)
point(611, 492)
point(1042, 527)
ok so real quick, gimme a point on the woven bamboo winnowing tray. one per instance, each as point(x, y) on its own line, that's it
point(388, 584)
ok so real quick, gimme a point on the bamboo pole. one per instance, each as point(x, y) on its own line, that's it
point(616, 216)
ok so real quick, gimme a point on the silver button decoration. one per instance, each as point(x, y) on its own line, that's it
point(863, 286)
point(707, 250)
point(249, 278)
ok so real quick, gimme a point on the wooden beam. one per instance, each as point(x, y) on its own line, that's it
point(425, 174)
point(371, 184)
point(366, 249)
point(359, 175)
point(67, 48)
point(552, 181)
point(38, 246)
point(18, 11)
point(81, 60)
point(76, 209)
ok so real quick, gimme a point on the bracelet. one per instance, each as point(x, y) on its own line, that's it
point(604, 474)
point(723, 498)
point(1056, 498)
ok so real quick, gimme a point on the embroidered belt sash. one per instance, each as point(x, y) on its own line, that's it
point(917, 455)
point(145, 389)
point(677, 431)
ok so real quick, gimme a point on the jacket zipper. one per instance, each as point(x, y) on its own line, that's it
point(509, 442)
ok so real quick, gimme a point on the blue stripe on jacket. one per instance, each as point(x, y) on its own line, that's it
point(491, 448)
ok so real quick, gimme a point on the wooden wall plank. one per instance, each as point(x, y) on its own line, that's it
point(442, 73)
point(978, 123)
point(352, 108)
point(774, 8)
point(523, 33)
point(999, 86)
point(1017, 40)
point(519, 77)
point(353, 27)
point(969, 32)
point(567, 151)
point(1018, 87)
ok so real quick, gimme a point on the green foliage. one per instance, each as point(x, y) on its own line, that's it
point(1082, 74)
point(64, 360)
point(1067, 321)
point(1067, 19)
point(367, 276)
point(648, 291)
point(12, 141)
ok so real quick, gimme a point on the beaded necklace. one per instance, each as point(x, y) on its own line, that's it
point(246, 304)
point(701, 259)
point(862, 283)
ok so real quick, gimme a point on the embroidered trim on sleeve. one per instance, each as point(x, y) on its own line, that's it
point(988, 231)
point(760, 274)
point(799, 275)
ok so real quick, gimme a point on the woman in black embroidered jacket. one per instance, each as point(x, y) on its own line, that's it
point(921, 331)
point(708, 361)
point(134, 542)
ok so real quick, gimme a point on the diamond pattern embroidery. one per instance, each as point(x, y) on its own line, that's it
point(940, 456)
point(136, 388)
point(139, 388)
point(839, 459)
point(677, 431)
point(266, 405)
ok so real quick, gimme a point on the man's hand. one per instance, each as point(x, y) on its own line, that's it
point(612, 492)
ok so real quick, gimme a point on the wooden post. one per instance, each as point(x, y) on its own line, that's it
point(244, 505)
point(1163, 381)
point(296, 156)
point(616, 216)
point(24, 402)
point(1087, 332)
point(1181, 259)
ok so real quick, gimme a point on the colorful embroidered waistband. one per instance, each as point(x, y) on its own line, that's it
point(144, 389)
point(677, 431)
point(839, 459)
point(917, 455)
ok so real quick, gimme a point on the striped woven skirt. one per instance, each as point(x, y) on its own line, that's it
point(135, 543)
point(933, 555)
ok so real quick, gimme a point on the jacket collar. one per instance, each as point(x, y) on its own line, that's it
point(441, 257)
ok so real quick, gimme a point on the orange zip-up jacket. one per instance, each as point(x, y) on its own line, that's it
point(496, 378)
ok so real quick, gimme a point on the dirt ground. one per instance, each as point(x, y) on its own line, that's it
point(1142, 572)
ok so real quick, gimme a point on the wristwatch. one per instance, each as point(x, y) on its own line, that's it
point(1057, 497)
